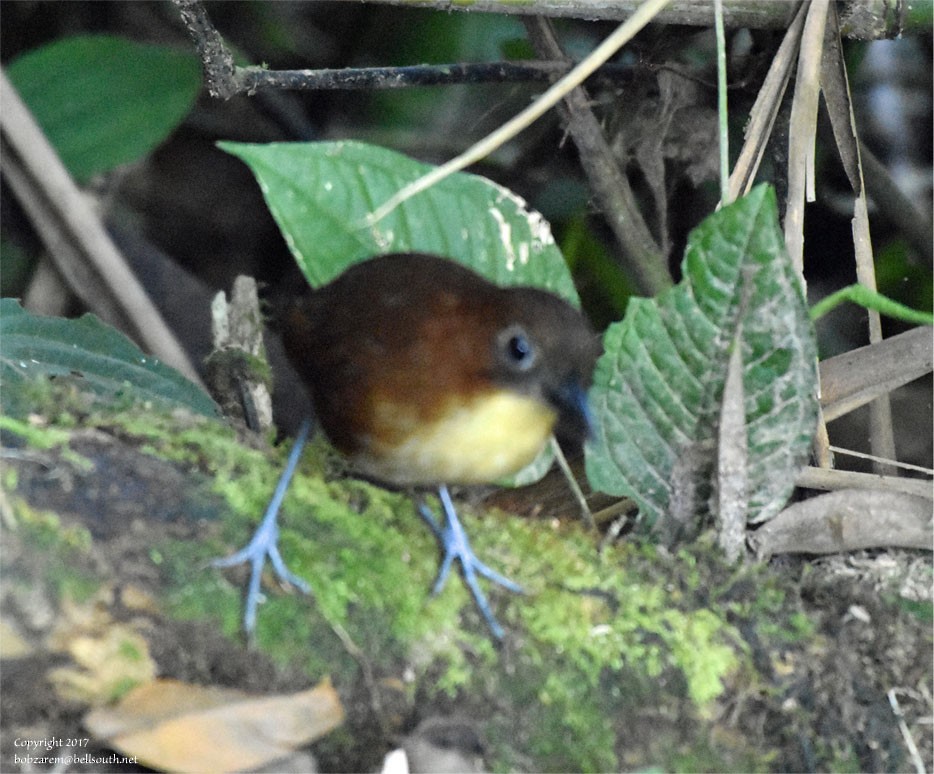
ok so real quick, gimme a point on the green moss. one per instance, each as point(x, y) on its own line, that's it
point(61, 548)
point(622, 620)
point(596, 640)
point(36, 436)
point(43, 436)
point(246, 366)
point(699, 651)
point(565, 712)
point(718, 755)
point(46, 532)
point(9, 479)
point(362, 549)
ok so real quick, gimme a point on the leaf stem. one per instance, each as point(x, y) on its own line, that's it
point(870, 299)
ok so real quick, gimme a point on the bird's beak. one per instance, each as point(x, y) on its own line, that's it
point(575, 421)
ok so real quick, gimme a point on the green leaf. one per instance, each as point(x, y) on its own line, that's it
point(102, 359)
point(321, 193)
point(104, 101)
point(657, 388)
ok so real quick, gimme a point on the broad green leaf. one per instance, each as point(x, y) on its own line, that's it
point(321, 193)
point(657, 388)
point(104, 101)
point(100, 358)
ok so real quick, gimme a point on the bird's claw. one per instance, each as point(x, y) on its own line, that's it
point(265, 542)
point(455, 545)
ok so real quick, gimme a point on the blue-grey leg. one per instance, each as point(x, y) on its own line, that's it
point(264, 542)
point(455, 544)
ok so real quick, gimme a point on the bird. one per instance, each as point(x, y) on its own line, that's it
point(424, 374)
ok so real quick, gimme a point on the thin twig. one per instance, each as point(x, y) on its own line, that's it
point(766, 107)
point(833, 480)
point(802, 131)
point(896, 463)
point(220, 72)
point(644, 257)
point(913, 752)
point(225, 79)
point(623, 34)
point(575, 488)
point(252, 79)
point(722, 114)
point(75, 237)
point(369, 679)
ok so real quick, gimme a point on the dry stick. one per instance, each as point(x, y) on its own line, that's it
point(802, 130)
point(802, 135)
point(881, 431)
point(896, 463)
point(832, 480)
point(611, 186)
point(237, 334)
point(76, 239)
point(575, 488)
point(836, 90)
point(865, 20)
point(857, 377)
point(913, 752)
point(763, 113)
point(626, 31)
point(847, 520)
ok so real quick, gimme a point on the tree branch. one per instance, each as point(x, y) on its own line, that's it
point(644, 257)
point(859, 19)
point(225, 79)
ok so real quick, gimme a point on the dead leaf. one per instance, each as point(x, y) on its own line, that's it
point(175, 726)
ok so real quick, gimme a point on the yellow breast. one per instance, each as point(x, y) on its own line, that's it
point(494, 435)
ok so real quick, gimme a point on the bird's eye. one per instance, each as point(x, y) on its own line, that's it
point(518, 348)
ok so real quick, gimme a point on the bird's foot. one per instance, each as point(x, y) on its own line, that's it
point(455, 544)
point(265, 542)
point(263, 545)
